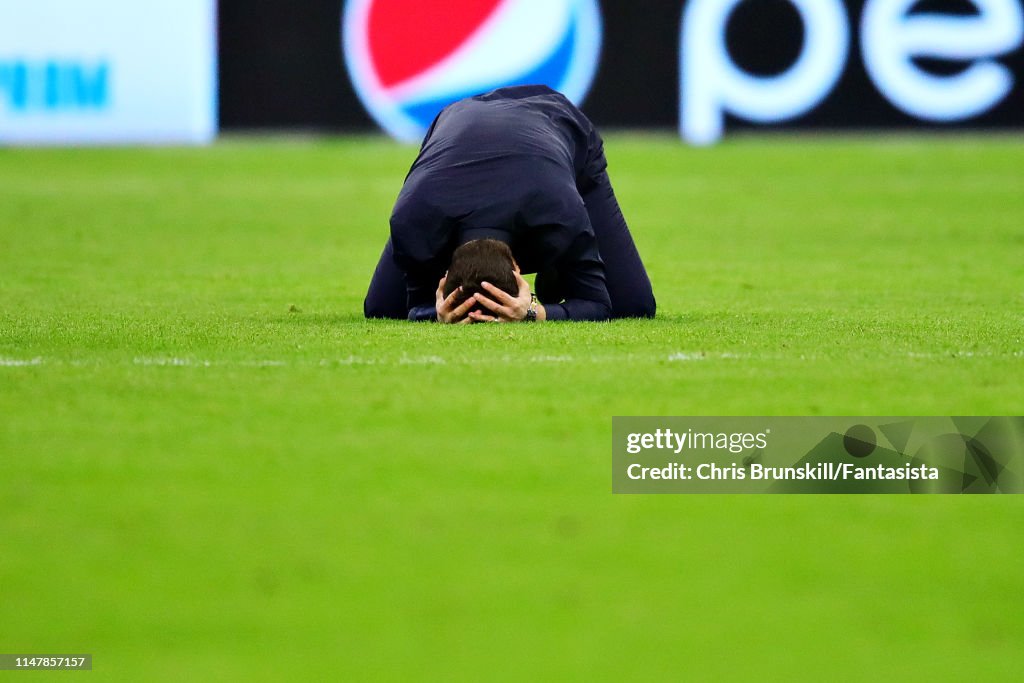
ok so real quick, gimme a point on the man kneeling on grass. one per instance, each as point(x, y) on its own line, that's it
point(509, 182)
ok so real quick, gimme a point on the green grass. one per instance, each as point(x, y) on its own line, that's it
point(198, 484)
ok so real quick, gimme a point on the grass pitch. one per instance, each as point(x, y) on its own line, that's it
point(211, 467)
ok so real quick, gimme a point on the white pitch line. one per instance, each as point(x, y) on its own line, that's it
point(176, 362)
point(683, 356)
point(19, 363)
point(423, 360)
point(966, 354)
point(703, 355)
point(428, 360)
point(349, 360)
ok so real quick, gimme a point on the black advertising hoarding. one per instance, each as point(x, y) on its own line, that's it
point(699, 66)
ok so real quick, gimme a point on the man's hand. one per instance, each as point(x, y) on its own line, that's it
point(447, 311)
point(504, 307)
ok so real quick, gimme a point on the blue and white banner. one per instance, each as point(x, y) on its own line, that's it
point(107, 71)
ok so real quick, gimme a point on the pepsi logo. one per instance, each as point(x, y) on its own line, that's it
point(408, 59)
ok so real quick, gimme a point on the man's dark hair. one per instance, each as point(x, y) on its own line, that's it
point(481, 261)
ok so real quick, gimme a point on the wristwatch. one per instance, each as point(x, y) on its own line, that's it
point(531, 313)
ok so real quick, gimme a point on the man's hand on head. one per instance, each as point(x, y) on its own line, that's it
point(447, 310)
point(504, 307)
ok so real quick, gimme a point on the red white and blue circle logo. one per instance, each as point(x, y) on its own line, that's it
point(409, 59)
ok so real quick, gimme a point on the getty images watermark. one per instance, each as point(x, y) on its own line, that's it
point(817, 454)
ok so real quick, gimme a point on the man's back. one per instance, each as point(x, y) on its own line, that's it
point(505, 162)
point(527, 124)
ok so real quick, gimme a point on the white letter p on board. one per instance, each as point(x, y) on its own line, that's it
point(711, 84)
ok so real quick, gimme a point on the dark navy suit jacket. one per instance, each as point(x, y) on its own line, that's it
point(510, 165)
